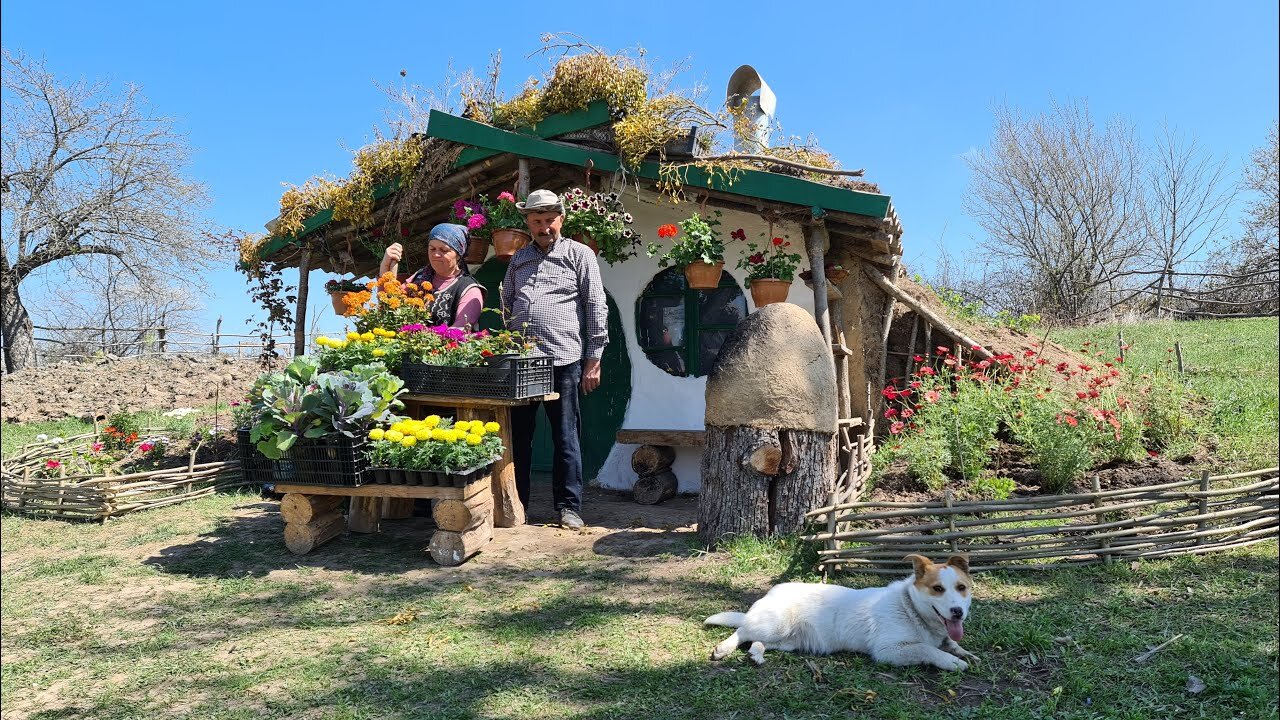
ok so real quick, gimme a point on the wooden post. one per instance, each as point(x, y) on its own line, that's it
point(161, 331)
point(928, 342)
point(522, 178)
point(1105, 549)
point(365, 514)
point(302, 538)
point(1177, 350)
point(304, 509)
point(451, 548)
point(814, 242)
point(1203, 507)
point(508, 511)
point(397, 508)
point(217, 334)
point(911, 346)
point(842, 362)
point(1120, 343)
point(300, 315)
point(951, 520)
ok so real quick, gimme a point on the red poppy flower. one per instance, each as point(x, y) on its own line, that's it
point(778, 241)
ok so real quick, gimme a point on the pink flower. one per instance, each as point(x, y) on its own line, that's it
point(891, 413)
point(504, 195)
point(932, 396)
point(97, 447)
point(475, 222)
point(908, 412)
point(146, 447)
point(52, 464)
point(897, 427)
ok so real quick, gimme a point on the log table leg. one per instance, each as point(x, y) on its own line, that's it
point(397, 508)
point(508, 511)
point(453, 548)
point(365, 514)
point(302, 538)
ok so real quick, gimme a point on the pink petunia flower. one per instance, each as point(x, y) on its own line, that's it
point(504, 195)
point(53, 464)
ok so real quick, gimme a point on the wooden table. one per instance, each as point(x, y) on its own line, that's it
point(465, 517)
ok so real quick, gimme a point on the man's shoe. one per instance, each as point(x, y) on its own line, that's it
point(570, 520)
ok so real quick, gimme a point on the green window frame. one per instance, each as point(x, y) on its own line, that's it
point(704, 314)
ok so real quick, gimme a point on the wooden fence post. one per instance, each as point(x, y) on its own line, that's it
point(1177, 350)
point(217, 334)
point(1099, 519)
point(160, 333)
point(1203, 507)
point(1120, 343)
point(951, 521)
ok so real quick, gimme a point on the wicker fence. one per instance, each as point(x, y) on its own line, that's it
point(1186, 517)
point(98, 497)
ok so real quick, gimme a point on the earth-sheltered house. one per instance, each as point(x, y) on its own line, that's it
point(663, 335)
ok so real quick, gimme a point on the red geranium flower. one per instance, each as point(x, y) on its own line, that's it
point(668, 231)
point(778, 241)
point(738, 234)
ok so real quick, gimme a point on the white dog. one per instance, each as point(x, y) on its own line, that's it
point(914, 621)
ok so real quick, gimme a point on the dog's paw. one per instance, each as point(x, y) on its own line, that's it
point(968, 656)
point(955, 664)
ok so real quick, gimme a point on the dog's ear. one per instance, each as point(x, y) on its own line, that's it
point(921, 564)
point(959, 561)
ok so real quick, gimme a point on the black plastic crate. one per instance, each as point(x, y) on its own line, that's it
point(506, 376)
point(254, 466)
point(461, 478)
point(336, 460)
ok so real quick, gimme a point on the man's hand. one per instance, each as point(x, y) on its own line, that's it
point(590, 375)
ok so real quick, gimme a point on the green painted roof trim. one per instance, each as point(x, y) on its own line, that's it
point(750, 183)
point(597, 113)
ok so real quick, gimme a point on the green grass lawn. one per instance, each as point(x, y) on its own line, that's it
point(197, 611)
point(1233, 365)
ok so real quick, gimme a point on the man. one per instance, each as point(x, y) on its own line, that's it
point(553, 292)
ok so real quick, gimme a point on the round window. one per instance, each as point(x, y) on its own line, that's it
point(681, 330)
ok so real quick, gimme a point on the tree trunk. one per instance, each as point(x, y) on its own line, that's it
point(15, 323)
point(737, 501)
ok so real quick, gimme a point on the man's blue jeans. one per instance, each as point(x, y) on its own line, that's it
point(566, 422)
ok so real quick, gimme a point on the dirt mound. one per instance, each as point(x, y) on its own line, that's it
point(83, 390)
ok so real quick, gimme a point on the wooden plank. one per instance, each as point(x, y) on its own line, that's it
point(751, 183)
point(597, 113)
point(379, 491)
point(674, 438)
point(456, 401)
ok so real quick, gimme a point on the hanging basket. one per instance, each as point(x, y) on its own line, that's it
point(507, 242)
point(339, 307)
point(766, 291)
point(703, 276)
point(477, 250)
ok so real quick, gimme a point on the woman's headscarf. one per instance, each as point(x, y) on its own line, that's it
point(455, 236)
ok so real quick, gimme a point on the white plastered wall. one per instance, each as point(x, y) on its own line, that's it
point(658, 400)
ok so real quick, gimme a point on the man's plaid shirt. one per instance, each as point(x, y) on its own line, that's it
point(560, 296)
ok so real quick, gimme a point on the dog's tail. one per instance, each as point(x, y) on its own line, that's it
point(727, 619)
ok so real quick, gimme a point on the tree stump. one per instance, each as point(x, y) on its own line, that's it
point(302, 538)
point(453, 548)
point(653, 489)
point(460, 515)
point(365, 514)
point(652, 459)
point(770, 452)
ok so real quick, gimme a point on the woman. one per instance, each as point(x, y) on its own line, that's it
point(458, 296)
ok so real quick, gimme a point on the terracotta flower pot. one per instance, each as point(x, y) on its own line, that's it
point(477, 250)
point(589, 241)
point(766, 291)
point(339, 306)
point(507, 242)
point(703, 276)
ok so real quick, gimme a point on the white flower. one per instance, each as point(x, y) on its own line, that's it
point(58, 441)
point(41, 437)
point(180, 412)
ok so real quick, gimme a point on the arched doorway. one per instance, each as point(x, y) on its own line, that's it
point(602, 410)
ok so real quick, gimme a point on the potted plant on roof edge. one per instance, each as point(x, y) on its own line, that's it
point(506, 225)
point(472, 214)
point(600, 222)
point(700, 251)
point(770, 269)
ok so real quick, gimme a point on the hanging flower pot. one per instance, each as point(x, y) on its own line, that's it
point(766, 291)
point(339, 306)
point(703, 275)
point(506, 242)
point(477, 250)
point(589, 241)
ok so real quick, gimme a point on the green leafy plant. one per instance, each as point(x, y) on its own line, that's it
point(334, 285)
point(455, 347)
point(605, 219)
point(121, 432)
point(771, 261)
point(989, 486)
point(699, 241)
point(502, 213)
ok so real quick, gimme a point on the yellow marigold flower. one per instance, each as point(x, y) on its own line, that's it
point(379, 352)
point(431, 420)
point(398, 426)
point(391, 333)
point(461, 424)
point(409, 441)
point(367, 337)
point(322, 341)
point(353, 335)
point(422, 434)
point(459, 435)
point(394, 435)
point(473, 439)
point(492, 427)
point(376, 434)
point(478, 429)
point(438, 434)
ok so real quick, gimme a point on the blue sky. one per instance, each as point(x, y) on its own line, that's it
point(274, 92)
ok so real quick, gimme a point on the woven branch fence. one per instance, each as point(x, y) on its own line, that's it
point(1181, 518)
point(98, 497)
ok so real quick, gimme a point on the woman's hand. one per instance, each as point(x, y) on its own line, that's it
point(391, 258)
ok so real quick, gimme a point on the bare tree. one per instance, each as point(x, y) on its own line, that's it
point(88, 171)
point(1061, 203)
point(1187, 198)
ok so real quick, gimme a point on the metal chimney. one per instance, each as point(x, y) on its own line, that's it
point(746, 83)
